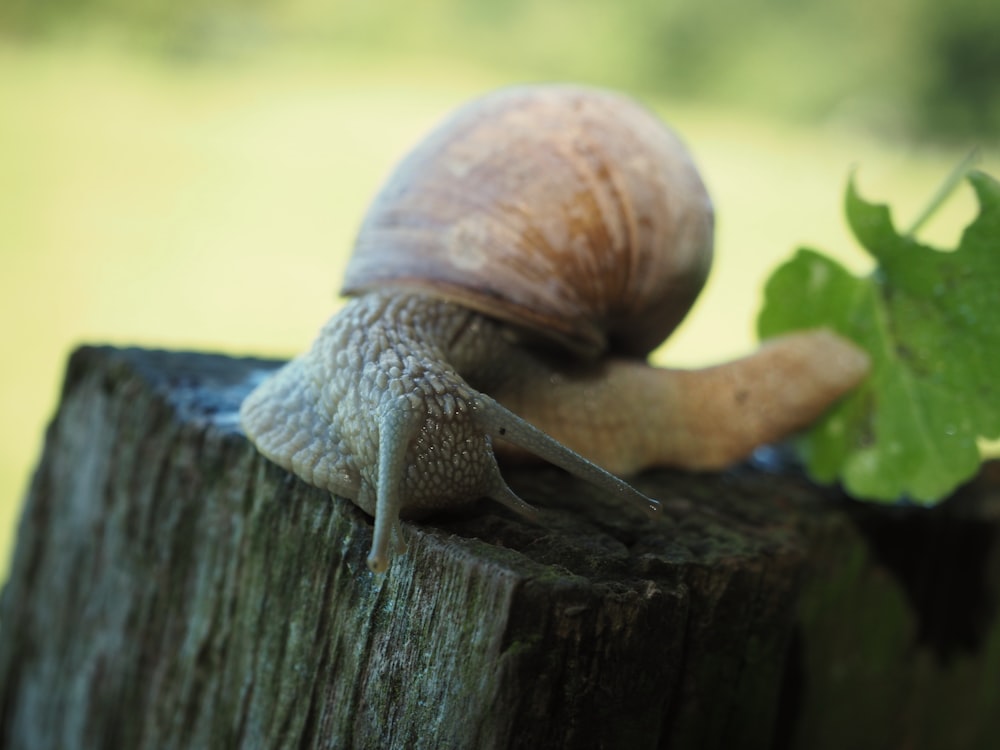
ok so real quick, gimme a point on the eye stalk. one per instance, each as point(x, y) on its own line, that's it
point(563, 216)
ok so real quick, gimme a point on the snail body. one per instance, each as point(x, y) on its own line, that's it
point(507, 284)
point(378, 411)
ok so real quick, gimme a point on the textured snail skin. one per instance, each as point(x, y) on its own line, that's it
point(509, 281)
point(381, 409)
point(378, 411)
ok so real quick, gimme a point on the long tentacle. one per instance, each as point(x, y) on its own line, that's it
point(500, 422)
point(396, 428)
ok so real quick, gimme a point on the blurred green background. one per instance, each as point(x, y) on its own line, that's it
point(191, 175)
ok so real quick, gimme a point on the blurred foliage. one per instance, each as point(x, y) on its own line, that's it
point(911, 67)
point(961, 94)
point(191, 175)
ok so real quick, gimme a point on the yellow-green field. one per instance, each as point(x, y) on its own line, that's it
point(213, 207)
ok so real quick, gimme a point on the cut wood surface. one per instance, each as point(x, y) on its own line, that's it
point(173, 589)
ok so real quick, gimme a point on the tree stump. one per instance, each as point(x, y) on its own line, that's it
point(173, 589)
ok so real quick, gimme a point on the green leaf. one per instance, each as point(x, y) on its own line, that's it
point(930, 320)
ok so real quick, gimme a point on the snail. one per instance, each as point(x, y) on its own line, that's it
point(506, 286)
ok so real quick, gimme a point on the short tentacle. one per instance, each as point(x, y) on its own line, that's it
point(500, 422)
point(503, 494)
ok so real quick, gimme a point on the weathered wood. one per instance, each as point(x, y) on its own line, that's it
point(171, 589)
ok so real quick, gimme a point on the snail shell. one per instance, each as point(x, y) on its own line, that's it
point(539, 214)
point(570, 211)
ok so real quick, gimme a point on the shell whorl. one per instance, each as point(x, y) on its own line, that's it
point(570, 211)
point(566, 211)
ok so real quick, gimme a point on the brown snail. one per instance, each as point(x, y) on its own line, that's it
point(535, 247)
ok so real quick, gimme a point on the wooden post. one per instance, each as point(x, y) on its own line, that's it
point(172, 589)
